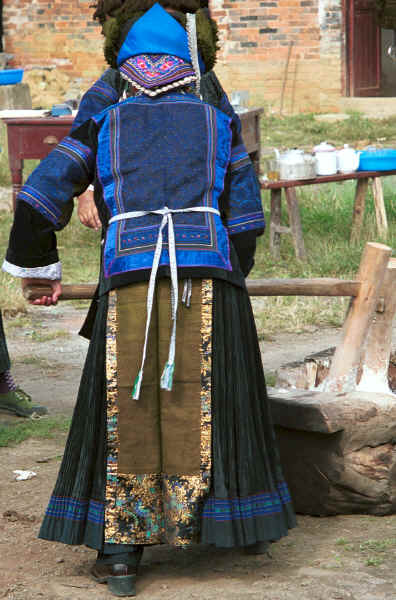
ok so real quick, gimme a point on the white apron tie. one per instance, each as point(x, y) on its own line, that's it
point(167, 374)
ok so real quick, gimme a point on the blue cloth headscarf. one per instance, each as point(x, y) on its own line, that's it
point(156, 52)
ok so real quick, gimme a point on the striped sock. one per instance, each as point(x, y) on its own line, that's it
point(7, 383)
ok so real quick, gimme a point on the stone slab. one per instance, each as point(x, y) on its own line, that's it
point(15, 96)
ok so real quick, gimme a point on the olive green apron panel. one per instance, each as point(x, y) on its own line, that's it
point(160, 432)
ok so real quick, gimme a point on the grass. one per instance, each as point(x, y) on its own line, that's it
point(43, 336)
point(371, 550)
point(305, 131)
point(11, 434)
point(326, 216)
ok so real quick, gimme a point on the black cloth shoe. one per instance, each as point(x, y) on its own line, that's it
point(120, 578)
point(257, 548)
point(101, 572)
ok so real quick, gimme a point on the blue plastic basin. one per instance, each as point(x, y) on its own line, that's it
point(378, 160)
point(11, 76)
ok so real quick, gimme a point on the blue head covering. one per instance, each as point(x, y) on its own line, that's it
point(156, 52)
point(156, 32)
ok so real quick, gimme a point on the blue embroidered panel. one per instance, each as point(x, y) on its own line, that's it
point(63, 174)
point(239, 508)
point(97, 98)
point(169, 151)
point(75, 509)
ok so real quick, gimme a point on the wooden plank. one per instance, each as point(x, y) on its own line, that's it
point(295, 224)
point(346, 360)
point(375, 363)
point(358, 208)
point(380, 212)
point(275, 219)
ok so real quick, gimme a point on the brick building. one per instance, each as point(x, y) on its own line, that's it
point(298, 54)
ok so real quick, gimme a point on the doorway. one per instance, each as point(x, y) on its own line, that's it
point(370, 51)
point(363, 49)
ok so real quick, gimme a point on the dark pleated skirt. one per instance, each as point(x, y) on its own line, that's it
point(249, 499)
point(4, 357)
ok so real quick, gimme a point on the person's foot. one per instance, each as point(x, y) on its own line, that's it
point(120, 578)
point(20, 403)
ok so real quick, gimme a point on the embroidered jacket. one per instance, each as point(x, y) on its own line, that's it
point(109, 88)
point(145, 154)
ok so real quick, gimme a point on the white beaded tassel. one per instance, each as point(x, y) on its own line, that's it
point(193, 48)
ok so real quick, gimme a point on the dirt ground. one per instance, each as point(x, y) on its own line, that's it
point(337, 558)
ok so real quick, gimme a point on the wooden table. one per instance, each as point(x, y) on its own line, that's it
point(35, 137)
point(32, 137)
point(289, 186)
point(250, 122)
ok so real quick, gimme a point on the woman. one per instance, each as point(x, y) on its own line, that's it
point(171, 439)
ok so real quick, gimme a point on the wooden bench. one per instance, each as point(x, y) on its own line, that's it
point(289, 186)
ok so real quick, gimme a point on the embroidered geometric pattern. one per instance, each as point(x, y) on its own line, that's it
point(155, 70)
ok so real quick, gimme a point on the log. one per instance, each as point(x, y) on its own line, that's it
point(343, 371)
point(325, 286)
point(338, 453)
point(375, 363)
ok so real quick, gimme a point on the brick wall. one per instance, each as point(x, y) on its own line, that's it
point(54, 33)
point(287, 53)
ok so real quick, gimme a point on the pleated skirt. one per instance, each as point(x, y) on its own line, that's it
point(213, 476)
point(4, 357)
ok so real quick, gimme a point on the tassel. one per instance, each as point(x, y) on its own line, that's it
point(167, 376)
point(137, 385)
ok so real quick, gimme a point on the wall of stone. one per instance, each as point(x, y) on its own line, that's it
point(287, 53)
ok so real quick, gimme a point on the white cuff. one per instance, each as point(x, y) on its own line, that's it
point(90, 187)
point(53, 271)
